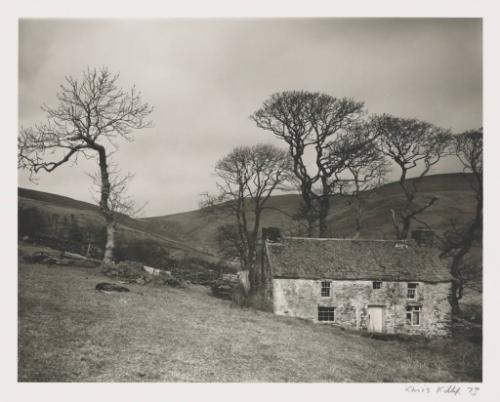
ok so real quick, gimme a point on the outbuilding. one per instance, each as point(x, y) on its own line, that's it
point(384, 286)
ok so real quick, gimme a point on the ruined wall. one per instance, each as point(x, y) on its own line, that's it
point(301, 297)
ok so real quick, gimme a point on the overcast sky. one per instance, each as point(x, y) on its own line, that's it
point(205, 77)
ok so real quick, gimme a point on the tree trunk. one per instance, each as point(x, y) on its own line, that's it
point(310, 218)
point(253, 280)
point(324, 207)
point(359, 214)
point(104, 205)
point(310, 226)
point(307, 209)
point(453, 299)
point(357, 223)
point(405, 230)
point(110, 242)
point(263, 273)
point(457, 287)
point(253, 271)
point(323, 226)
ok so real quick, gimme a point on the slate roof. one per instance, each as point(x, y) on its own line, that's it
point(346, 259)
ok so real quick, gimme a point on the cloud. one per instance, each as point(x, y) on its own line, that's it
point(205, 77)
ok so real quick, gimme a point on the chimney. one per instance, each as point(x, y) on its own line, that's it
point(272, 234)
point(424, 237)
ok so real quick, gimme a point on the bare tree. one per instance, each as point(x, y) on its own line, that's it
point(120, 202)
point(246, 179)
point(414, 146)
point(318, 125)
point(459, 240)
point(229, 243)
point(91, 115)
point(364, 175)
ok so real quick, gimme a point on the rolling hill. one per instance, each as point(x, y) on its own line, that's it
point(455, 201)
point(61, 217)
point(192, 234)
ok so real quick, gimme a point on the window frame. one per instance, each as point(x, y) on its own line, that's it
point(326, 291)
point(376, 285)
point(412, 289)
point(326, 312)
point(410, 314)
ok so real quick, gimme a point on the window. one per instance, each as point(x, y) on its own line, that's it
point(376, 284)
point(412, 290)
point(326, 313)
point(325, 288)
point(413, 315)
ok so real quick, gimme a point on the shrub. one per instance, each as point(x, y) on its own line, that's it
point(123, 270)
point(261, 301)
point(175, 282)
point(240, 298)
point(257, 301)
point(147, 251)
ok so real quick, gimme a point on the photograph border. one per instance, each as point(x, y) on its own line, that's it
point(12, 390)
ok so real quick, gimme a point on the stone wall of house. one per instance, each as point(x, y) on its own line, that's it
point(301, 298)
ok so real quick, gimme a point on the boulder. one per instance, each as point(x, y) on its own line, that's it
point(110, 287)
point(151, 270)
point(41, 257)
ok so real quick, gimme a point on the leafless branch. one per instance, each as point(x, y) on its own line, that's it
point(92, 114)
point(247, 177)
point(412, 144)
point(322, 123)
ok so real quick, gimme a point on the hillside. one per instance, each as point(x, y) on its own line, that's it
point(70, 332)
point(53, 216)
point(192, 234)
point(456, 200)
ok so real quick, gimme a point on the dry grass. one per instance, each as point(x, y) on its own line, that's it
point(70, 332)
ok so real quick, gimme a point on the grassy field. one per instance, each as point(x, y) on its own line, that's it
point(70, 332)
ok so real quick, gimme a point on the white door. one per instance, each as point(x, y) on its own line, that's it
point(375, 319)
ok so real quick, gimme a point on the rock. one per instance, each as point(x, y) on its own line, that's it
point(166, 275)
point(111, 273)
point(108, 268)
point(129, 272)
point(41, 257)
point(67, 254)
point(175, 283)
point(129, 269)
point(152, 271)
point(223, 289)
point(142, 280)
point(110, 287)
point(123, 270)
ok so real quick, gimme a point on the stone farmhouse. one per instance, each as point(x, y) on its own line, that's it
point(375, 285)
